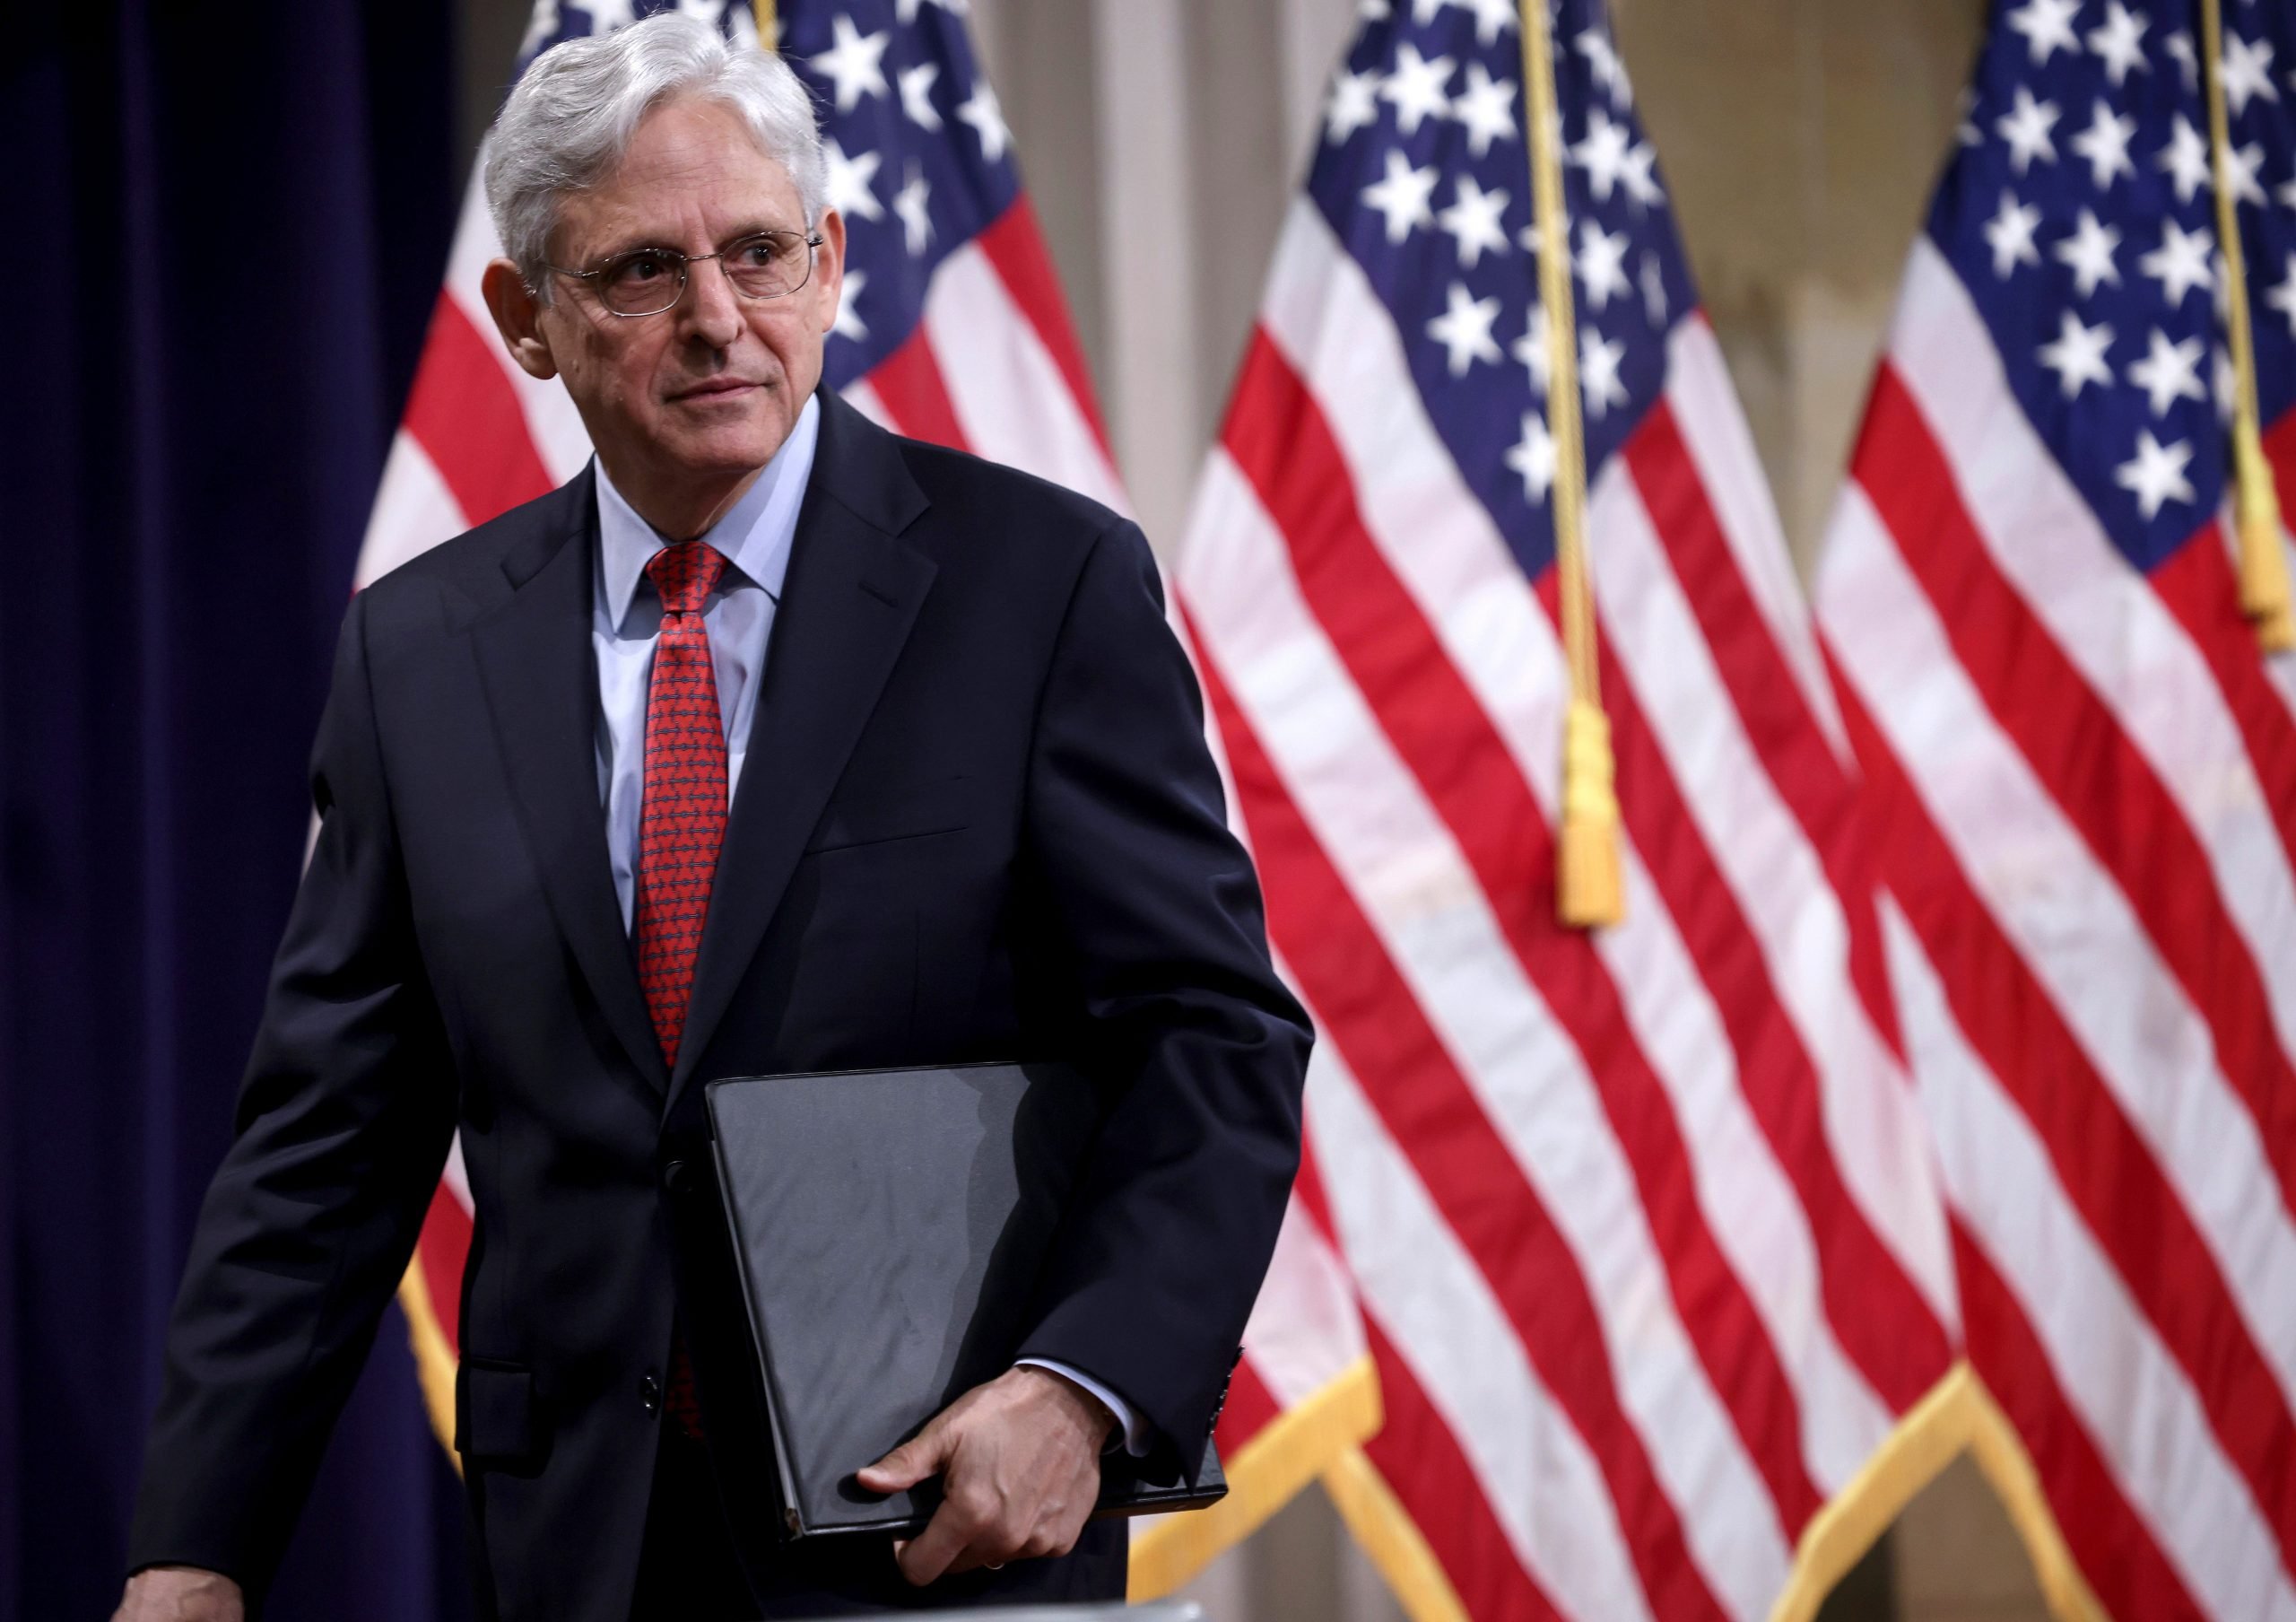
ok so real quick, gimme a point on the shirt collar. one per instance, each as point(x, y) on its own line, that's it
point(755, 534)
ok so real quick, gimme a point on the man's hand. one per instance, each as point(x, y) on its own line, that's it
point(180, 1593)
point(1019, 1462)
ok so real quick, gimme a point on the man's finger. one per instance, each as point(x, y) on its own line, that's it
point(922, 1455)
point(932, 1551)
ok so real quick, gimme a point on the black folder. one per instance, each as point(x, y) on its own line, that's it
point(889, 1227)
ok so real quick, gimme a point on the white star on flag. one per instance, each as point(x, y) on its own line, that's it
point(917, 94)
point(1417, 87)
point(1605, 63)
point(1531, 349)
point(2179, 48)
point(2117, 42)
point(2180, 263)
point(1464, 329)
point(2156, 475)
point(2010, 235)
point(2105, 144)
point(1485, 110)
point(1598, 363)
point(1354, 104)
point(2078, 355)
point(1603, 153)
point(2241, 164)
point(2026, 128)
point(850, 189)
point(1600, 263)
point(1532, 457)
point(2282, 298)
point(2185, 159)
point(2245, 72)
point(1472, 219)
point(2046, 25)
point(2089, 250)
point(1400, 197)
point(608, 15)
point(856, 61)
point(848, 324)
point(983, 112)
point(916, 219)
point(2168, 372)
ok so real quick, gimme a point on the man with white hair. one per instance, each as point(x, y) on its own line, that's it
point(769, 743)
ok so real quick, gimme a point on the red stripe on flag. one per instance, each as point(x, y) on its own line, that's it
point(1279, 438)
point(1879, 1316)
point(1251, 1408)
point(1368, 1013)
point(1014, 246)
point(2110, 1540)
point(2074, 741)
point(1430, 1477)
point(910, 382)
point(2105, 1169)
point(443, 1249)
point(1792, 748)
point(466, 415)
point(2199, 587)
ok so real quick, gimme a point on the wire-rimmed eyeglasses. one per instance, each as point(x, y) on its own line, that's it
point(647, 281)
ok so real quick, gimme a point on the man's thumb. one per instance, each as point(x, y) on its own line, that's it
point(912, 1461)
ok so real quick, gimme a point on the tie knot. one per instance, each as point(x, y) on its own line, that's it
point(685, 574)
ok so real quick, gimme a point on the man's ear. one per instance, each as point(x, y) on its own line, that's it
point(517, 317)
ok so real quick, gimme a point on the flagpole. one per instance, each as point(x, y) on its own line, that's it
point(1588, 889)
point(2263, 567)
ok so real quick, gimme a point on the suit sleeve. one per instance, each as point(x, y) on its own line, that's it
point(1160, 934)
point(341, 1129)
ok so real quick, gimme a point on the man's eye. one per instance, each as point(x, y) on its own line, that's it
point(758, 252)
point(638, 270)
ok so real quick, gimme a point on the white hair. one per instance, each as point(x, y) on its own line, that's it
point(569, 122)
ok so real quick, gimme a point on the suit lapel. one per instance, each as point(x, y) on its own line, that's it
point(852, 594)
point(542, 685)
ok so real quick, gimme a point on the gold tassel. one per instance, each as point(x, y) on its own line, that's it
point(1589, 890)
point(2256, 507)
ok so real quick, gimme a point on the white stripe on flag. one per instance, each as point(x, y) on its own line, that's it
point(2067, 922)
point(1414, 885)
point(413, 511)
point(1009, 394)
point(2100, 612)
point(1545, 1488)
point(1304, 1330)
point(2137, 1406)
point(561, 441)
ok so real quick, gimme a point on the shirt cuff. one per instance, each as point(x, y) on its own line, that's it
point(1128, 1425)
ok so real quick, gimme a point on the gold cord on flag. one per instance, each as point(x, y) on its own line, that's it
point(1588, 889)
point(761, 12)
point(2264, 567)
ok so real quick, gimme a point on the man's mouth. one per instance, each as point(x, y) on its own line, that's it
point(717, 388)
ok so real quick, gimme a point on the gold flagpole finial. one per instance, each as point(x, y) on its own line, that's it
point(1590, 892)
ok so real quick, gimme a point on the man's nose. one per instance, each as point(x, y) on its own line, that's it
point(710, 311)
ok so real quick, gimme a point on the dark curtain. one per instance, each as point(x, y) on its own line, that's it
point(225, 228)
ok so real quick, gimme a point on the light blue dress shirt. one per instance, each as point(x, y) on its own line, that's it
point(755, 535)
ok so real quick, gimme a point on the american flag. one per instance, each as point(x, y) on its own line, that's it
point(1643, 1222)
point(2085, 772)
point(952, 328)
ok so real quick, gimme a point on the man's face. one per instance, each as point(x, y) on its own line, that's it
point(711, 388)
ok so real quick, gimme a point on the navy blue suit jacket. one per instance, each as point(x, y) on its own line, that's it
point(978, 820)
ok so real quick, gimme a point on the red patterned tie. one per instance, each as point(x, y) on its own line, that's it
point(680, 825)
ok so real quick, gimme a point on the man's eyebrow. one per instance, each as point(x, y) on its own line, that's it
point(739, 234)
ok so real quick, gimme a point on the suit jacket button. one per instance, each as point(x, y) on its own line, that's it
point(677, 1177)
point(649, 1393)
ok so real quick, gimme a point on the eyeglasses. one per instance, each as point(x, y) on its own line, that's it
point(647, 281)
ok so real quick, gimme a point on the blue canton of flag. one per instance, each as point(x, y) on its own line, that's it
point(1424, 175)
point(920, 159)
point(2079, 214)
